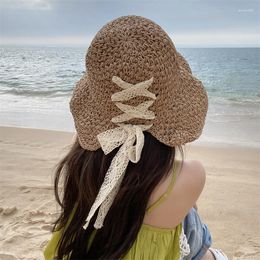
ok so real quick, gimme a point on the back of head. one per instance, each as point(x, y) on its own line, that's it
point(137, 102)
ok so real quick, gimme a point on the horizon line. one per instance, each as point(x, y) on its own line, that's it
point(189, 40)
point(86, 46)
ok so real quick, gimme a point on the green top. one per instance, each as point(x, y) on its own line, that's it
point(151, 243)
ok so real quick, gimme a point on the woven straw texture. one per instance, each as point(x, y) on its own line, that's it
point(136, 49)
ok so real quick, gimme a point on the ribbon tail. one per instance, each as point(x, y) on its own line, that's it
point(106, 205)
point(115, 171)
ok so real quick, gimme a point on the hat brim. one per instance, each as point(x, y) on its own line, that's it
point(180, 121)
point(186, 112)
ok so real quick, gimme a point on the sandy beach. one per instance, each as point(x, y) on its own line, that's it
point(229, 204)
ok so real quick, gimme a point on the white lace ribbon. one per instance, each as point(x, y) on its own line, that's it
point(125, 135)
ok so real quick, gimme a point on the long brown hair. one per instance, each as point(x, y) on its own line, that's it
point(81, 173)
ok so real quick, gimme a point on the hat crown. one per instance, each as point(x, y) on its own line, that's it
point(133, 48)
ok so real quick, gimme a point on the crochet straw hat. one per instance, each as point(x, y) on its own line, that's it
point(111, 103)
point(135, 49)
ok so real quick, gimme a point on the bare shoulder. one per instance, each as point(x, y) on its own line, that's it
point(191, 180)
point(188, 187)
point(186, 191)
point(193, 174)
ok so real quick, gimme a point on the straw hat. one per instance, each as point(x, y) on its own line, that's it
point(136, 49)
point(135, 81)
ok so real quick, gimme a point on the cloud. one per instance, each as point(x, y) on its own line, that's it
point(245, 10)
point(192, 22)
point(217, 39)
point(27, 4)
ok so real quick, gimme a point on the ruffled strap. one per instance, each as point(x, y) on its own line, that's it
point(184, 246)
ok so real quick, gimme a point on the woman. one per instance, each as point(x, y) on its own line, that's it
point(125, 195)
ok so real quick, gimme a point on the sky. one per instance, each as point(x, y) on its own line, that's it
point(190, 23)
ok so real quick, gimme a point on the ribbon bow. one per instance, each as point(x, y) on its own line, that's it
point(125, 135)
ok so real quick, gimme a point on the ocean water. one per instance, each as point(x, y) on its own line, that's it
point(36, 86)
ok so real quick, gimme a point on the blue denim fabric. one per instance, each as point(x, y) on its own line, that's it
point(198, 235)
